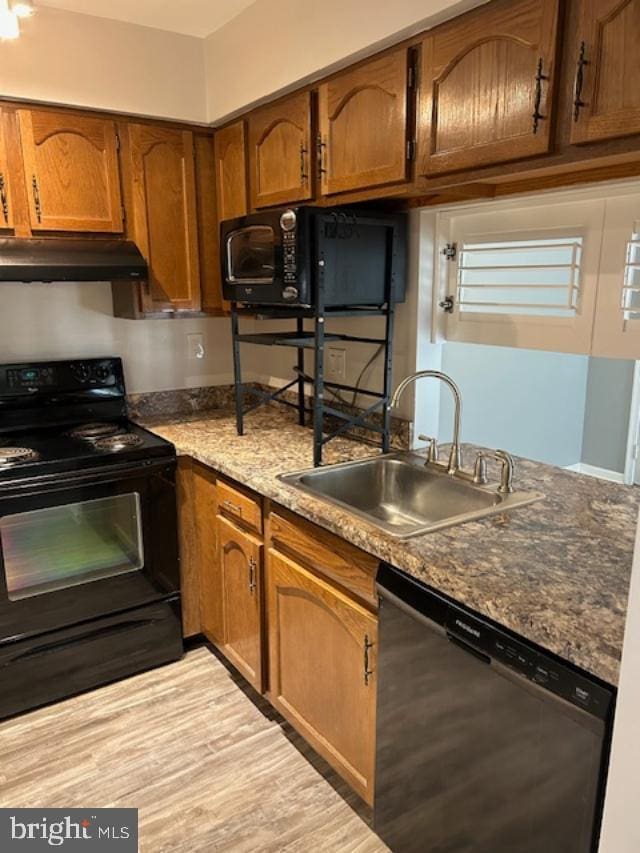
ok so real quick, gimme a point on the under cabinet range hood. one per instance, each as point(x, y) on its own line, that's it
point(58, 259)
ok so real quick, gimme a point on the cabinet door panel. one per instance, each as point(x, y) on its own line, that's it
point(319, 644)
point(208, 241)
point(363, 117)
point(607, 97)
point(164, 213)
point(231, 177)
point(6, 206)
point(484, 77)
point(280, 152)
point(71, 170)
point(241, 563)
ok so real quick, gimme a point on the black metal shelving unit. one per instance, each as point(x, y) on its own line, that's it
point(249, 398)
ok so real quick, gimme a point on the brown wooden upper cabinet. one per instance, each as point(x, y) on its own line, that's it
point(159, 166)
point(487, 86)
point(363, 120)
point(231, 171)
point(71, 171)
point(281, 152)
point(6, 206)
point(606, 92)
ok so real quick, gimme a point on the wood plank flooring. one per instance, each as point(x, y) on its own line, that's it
point(208, 763)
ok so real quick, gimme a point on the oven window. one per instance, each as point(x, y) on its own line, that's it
point(251, 255)
point(57, 547)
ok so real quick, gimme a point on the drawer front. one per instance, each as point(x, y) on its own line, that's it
point(326, 554)
point(240, 505)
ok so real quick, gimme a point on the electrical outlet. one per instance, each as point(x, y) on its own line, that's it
point(336, 364)
point(195, 346)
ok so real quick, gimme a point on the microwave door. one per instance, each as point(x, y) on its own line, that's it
point(251, 255)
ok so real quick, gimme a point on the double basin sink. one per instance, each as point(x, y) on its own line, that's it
point(402, 496)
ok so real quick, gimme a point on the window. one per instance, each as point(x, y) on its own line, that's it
point(631, 286)
point(522, 277)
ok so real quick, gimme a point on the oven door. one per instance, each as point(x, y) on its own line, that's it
point(86, 546)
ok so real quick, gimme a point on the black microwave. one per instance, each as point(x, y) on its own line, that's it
point(309, 256)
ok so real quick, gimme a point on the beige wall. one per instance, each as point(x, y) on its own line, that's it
point(49, 321)
point(275, 44)
point(86, 61)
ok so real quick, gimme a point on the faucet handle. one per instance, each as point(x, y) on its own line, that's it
point(432, 452)
point(480, 469)
point(506, 478)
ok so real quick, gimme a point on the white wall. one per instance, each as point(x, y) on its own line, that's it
point(82, 60)
point(49, 321)
point(291, 41)
point(621, 824)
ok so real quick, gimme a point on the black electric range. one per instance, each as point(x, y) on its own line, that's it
point(89, 566)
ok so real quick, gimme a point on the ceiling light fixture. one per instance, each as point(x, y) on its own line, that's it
point(10, 13)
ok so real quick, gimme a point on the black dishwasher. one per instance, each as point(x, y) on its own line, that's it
point(484, 744)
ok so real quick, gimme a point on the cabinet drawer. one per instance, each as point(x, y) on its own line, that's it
point(326, 554)
point(240, 505)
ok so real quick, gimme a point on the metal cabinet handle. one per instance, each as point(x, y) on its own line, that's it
point(233, 507)
point(537, 115)
point(304, 175)
point(367, 672)
point(578, 103)
point(36, 198)
point(252, 575)
point(4, 203)
point(321, 146)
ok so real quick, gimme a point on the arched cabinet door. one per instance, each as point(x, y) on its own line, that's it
point(364, 125)
point(607, 66)
point(161, 184)
point(230, 171)
point(322, 671)
point(487, 86)
point(71, 171)
point(281, 152)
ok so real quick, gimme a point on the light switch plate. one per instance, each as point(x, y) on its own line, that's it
point(336, 367)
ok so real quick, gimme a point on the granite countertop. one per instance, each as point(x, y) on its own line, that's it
point(556, 572)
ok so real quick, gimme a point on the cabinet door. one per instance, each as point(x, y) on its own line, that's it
point(208, 241)
point(606, 94)
point(240, 557)
point(280, 152)
point(487, 86)
point(231, 174)
point(71, 170)
point(322, 648)
point(164, 220)
point(363, 116)
point(6, 207)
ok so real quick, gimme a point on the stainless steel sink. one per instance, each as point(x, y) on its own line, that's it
point(400, 495)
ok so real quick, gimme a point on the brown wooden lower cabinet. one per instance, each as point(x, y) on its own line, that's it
point(322, 673)
point(240, 561)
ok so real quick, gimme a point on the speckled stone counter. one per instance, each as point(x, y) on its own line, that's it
point(556, 572)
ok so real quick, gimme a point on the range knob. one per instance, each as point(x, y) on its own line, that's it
point(81, 371)
point(290, 293)
point(101, 372)
point(288, 220)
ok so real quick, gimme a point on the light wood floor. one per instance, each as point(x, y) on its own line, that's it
point(208, 768)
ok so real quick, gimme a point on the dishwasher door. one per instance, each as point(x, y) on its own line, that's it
point(472, 757)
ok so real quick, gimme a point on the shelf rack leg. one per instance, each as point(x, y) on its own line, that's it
point(388, 365)
point(237, 371)
point(301, 407)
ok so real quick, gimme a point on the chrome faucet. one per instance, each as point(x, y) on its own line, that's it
point(455, 456)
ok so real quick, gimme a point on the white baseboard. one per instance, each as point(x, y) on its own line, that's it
point(594, 471)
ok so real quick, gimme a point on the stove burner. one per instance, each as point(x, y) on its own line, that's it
point(16, 455)
point(116, 443)
point(94, 431)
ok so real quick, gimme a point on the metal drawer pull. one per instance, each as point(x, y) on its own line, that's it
point(321, 147)
point(252, 575)
point(303, 171)
point(578, 103)
point(4, 203)
point(537, 115)
point(36, 198)
point(233, 507)
point(367, 672)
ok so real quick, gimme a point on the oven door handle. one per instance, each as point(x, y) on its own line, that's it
point(88, 637)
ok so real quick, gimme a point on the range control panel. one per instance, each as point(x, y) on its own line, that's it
point(61, 376)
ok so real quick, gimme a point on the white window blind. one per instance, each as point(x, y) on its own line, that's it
point(538, 277)
point(631, 285)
